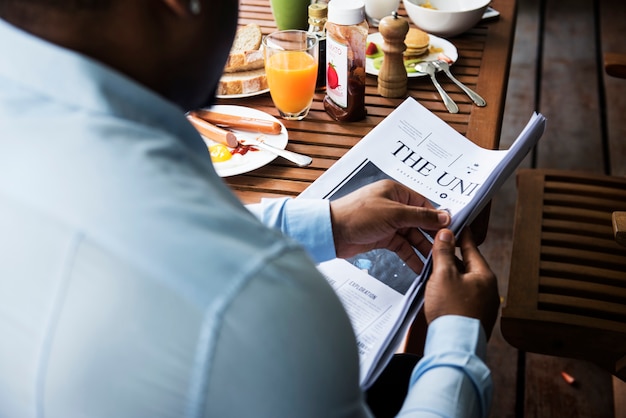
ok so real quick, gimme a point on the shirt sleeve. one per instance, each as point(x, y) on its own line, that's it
point(304, 220)
point(451, 380)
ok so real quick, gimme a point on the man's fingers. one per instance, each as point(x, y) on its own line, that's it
point(420, 240)
point(472, 258)
point(405, 251)
point(403, 194)
point(443, 252)
point(420, 217)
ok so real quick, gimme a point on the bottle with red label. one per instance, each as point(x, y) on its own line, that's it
point(346, 41)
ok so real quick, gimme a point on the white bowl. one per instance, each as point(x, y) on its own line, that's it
point(448, 18)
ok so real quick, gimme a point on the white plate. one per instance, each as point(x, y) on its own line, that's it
point(243, 95)
point(447, 48)
point(252, 160)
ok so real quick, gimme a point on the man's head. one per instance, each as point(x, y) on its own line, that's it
point(171, 46)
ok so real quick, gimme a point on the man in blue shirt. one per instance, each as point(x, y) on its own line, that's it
point(133, 283)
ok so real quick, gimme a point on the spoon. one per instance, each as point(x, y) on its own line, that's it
point(427, 67)
point(442, 65)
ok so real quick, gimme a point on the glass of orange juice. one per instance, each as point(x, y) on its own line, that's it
point(291, 58)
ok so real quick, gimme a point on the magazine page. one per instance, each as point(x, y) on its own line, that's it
point(380, 292)
point(372, 305)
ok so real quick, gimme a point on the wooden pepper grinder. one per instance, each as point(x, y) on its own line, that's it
point(392, 78)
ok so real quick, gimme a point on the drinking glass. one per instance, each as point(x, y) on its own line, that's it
point(375, 10)
point(291, 58)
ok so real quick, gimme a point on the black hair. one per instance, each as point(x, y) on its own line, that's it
point(27, 7)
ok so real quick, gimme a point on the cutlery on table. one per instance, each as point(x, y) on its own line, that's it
point(227, 137)
point(299, 159)
point(427, 67)
point(445, 67)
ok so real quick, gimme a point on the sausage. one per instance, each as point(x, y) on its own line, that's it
point(239, 122)
point(213, 132)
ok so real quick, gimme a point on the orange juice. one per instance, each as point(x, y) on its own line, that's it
point(291, 77)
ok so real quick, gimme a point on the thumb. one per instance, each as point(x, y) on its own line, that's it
point(443, 252)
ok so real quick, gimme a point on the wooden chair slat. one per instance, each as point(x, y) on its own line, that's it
point(572, 271)
point(567, 283)
point(582, 289)
point(585, 307)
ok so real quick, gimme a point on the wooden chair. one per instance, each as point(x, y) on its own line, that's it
point(567, 284)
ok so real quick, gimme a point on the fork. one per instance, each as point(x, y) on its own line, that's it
point(443, 66)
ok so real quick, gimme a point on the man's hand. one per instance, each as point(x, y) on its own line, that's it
point(387, 215)
point(468, 288)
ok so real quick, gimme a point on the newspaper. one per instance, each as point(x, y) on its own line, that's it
point(380, 293)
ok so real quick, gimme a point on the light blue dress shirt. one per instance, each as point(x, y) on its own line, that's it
point(133, 283)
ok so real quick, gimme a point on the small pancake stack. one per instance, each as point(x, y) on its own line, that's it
point(244, 72)
point(417, 43)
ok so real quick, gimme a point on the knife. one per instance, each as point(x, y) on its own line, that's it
point(299, 159)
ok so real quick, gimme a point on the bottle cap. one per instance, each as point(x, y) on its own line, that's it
point(346, 12)
point(318, 10)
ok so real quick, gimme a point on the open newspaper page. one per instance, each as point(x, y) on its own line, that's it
point(380, 293)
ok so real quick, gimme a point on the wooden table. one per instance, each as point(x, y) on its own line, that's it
point(483, 64)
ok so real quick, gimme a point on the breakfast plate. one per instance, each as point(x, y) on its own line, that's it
point(243, 95)
point(437, 46)
point(254, 158)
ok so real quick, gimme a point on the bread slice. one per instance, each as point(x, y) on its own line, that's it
point(244, 61)
point(244, 72)
point(245, 54)
point(247, 38)
point(242, 82)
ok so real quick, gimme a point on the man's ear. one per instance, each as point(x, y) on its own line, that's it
point(179, 7)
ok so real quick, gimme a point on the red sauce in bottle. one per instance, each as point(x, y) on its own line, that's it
point(346, 39)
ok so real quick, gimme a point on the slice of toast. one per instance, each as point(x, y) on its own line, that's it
point(244, 61)
point(247, 38)
point(245, 54)
point(242, 82)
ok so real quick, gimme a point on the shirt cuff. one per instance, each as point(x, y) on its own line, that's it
point(455, 348)
point(305, 220)
point(456, 333)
